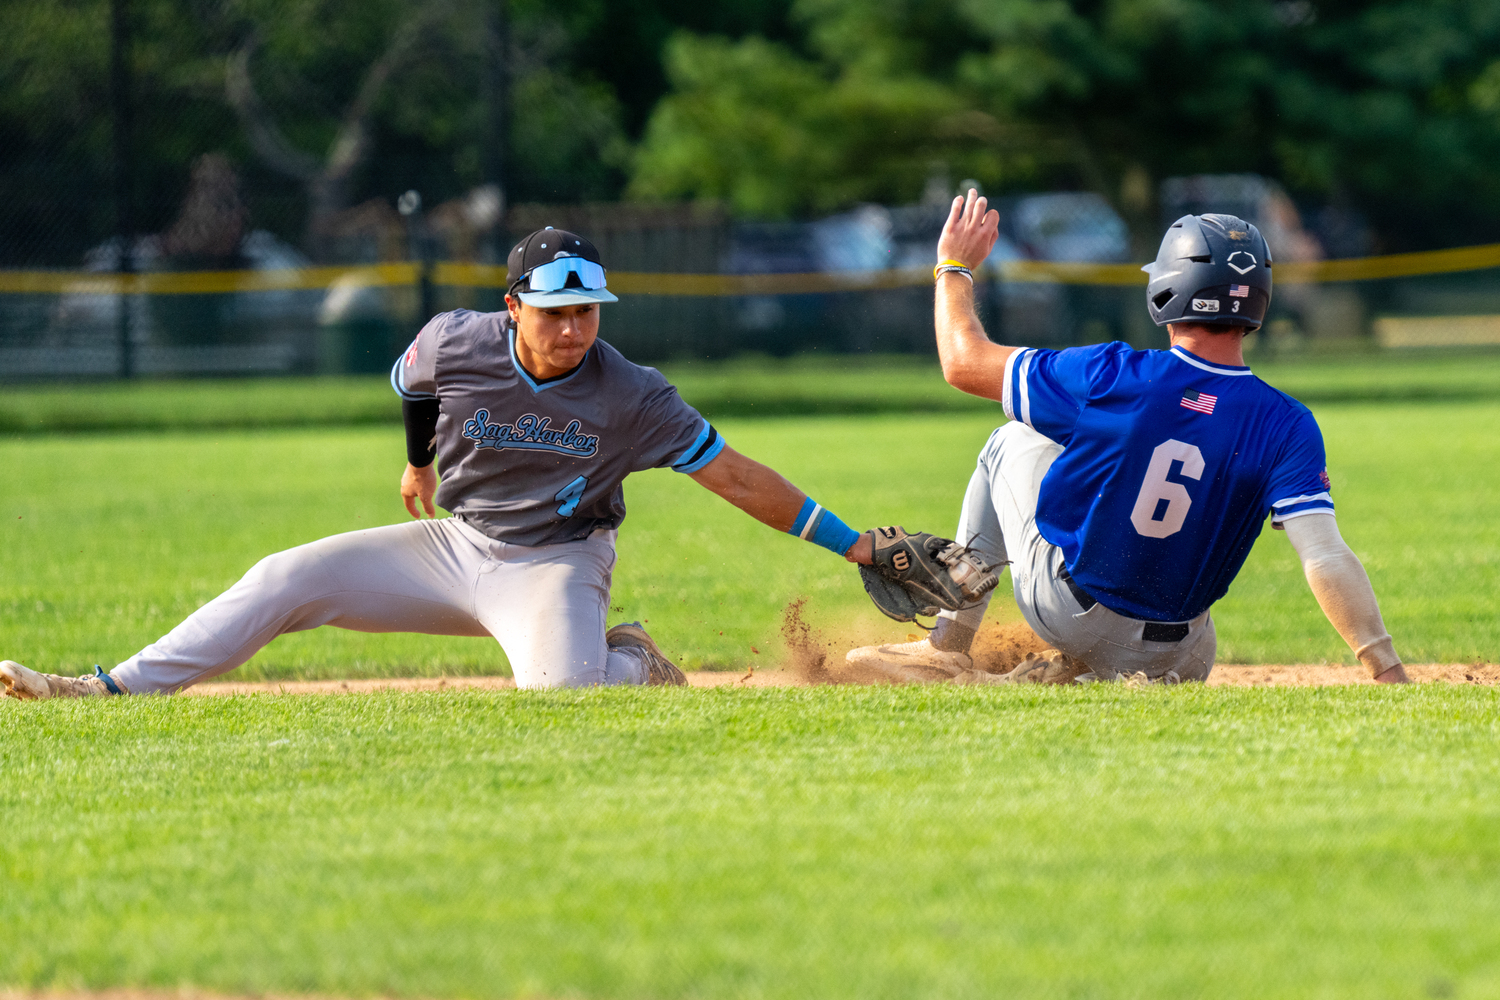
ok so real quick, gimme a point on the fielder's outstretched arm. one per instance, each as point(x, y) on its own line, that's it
point(972, 363)
point(767, 496)
point(1343, 590)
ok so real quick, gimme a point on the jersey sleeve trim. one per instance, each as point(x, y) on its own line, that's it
point(1026, 388)
point(1278, 519)
point(1015, 395)
point(1308, 503)
point(398, 382)
point(704, 449)
point(1304, 498)
point(1010, 367)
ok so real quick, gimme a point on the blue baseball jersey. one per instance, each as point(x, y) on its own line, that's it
point(1169, 467)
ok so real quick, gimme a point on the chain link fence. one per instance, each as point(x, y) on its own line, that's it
point(158, 216)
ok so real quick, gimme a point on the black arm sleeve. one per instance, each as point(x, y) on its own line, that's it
point(420, 417)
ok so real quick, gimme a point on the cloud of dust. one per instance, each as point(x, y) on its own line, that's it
point(807, 651)
point(998, 648)
point(815, 659)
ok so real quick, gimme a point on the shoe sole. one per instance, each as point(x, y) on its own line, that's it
point(638, 638)
point(13, 676)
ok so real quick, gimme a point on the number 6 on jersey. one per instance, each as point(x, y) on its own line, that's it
point(570, 495)
point(1162, 505)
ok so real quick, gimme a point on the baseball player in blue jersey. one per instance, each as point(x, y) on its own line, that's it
point(535, 423)
point(1129, 486)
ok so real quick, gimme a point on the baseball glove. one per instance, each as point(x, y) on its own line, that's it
point(921, 574)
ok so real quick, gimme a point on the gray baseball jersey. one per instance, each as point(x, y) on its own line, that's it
point(534, 463)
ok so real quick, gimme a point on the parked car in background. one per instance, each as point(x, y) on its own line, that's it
point(871, 239)
point(263, 331)
point(1074, 227)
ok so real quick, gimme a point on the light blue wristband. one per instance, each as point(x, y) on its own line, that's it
point(822, 527)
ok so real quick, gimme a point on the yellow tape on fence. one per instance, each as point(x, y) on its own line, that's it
point(204, 282)
point(468, 275)
point(1056, 272)
point(1403, 265)
point(647, 283)
point(1396, 265)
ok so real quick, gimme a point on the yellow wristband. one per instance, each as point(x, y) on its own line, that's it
point(951, 267)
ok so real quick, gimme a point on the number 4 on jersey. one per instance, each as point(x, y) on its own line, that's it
point(1162, 506)
point(570, 495)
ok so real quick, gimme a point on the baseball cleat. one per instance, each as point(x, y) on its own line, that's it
point(1050, 666)
point(660, 670)
point(29, 685)
point(910, 662)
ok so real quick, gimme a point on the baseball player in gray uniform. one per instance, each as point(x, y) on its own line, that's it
point(534, 422)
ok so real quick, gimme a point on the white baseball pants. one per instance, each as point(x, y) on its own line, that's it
point(546, 605)
point(999, 521)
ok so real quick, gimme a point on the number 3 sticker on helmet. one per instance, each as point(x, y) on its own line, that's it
point(1162, 506)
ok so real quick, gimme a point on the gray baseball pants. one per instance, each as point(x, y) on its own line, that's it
point(999, 521)
point(546, 605)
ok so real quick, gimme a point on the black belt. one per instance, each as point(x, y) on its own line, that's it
point(1150, 631)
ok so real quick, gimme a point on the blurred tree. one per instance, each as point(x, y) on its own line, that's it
point(55, 124)
point(776, 135)
point(320, 85)
point(622, 43)
point(780, 107)
point(1340, 99)
point(389, 48)
point(1394, 104)
point(583, 77)
point(318, 104)
point(866, 110)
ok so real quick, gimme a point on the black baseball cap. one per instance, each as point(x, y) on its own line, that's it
point(553, 267)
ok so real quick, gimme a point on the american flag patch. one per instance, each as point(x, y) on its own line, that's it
point(1239, 291)
point(411, 352)
point(1200, 401)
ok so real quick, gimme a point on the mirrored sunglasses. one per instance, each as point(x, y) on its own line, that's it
point(553, 275)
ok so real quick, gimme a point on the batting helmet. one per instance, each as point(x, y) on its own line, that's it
point(1213, 269)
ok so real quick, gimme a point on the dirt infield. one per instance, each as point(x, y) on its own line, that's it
point(812, 659)
point(1224, 675)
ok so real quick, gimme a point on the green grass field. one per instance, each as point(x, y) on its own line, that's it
point(832, 842)
point(109, 541)
point(749, 386)
point(825, 842)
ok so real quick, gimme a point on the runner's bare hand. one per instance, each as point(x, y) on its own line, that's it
point(970, 232)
